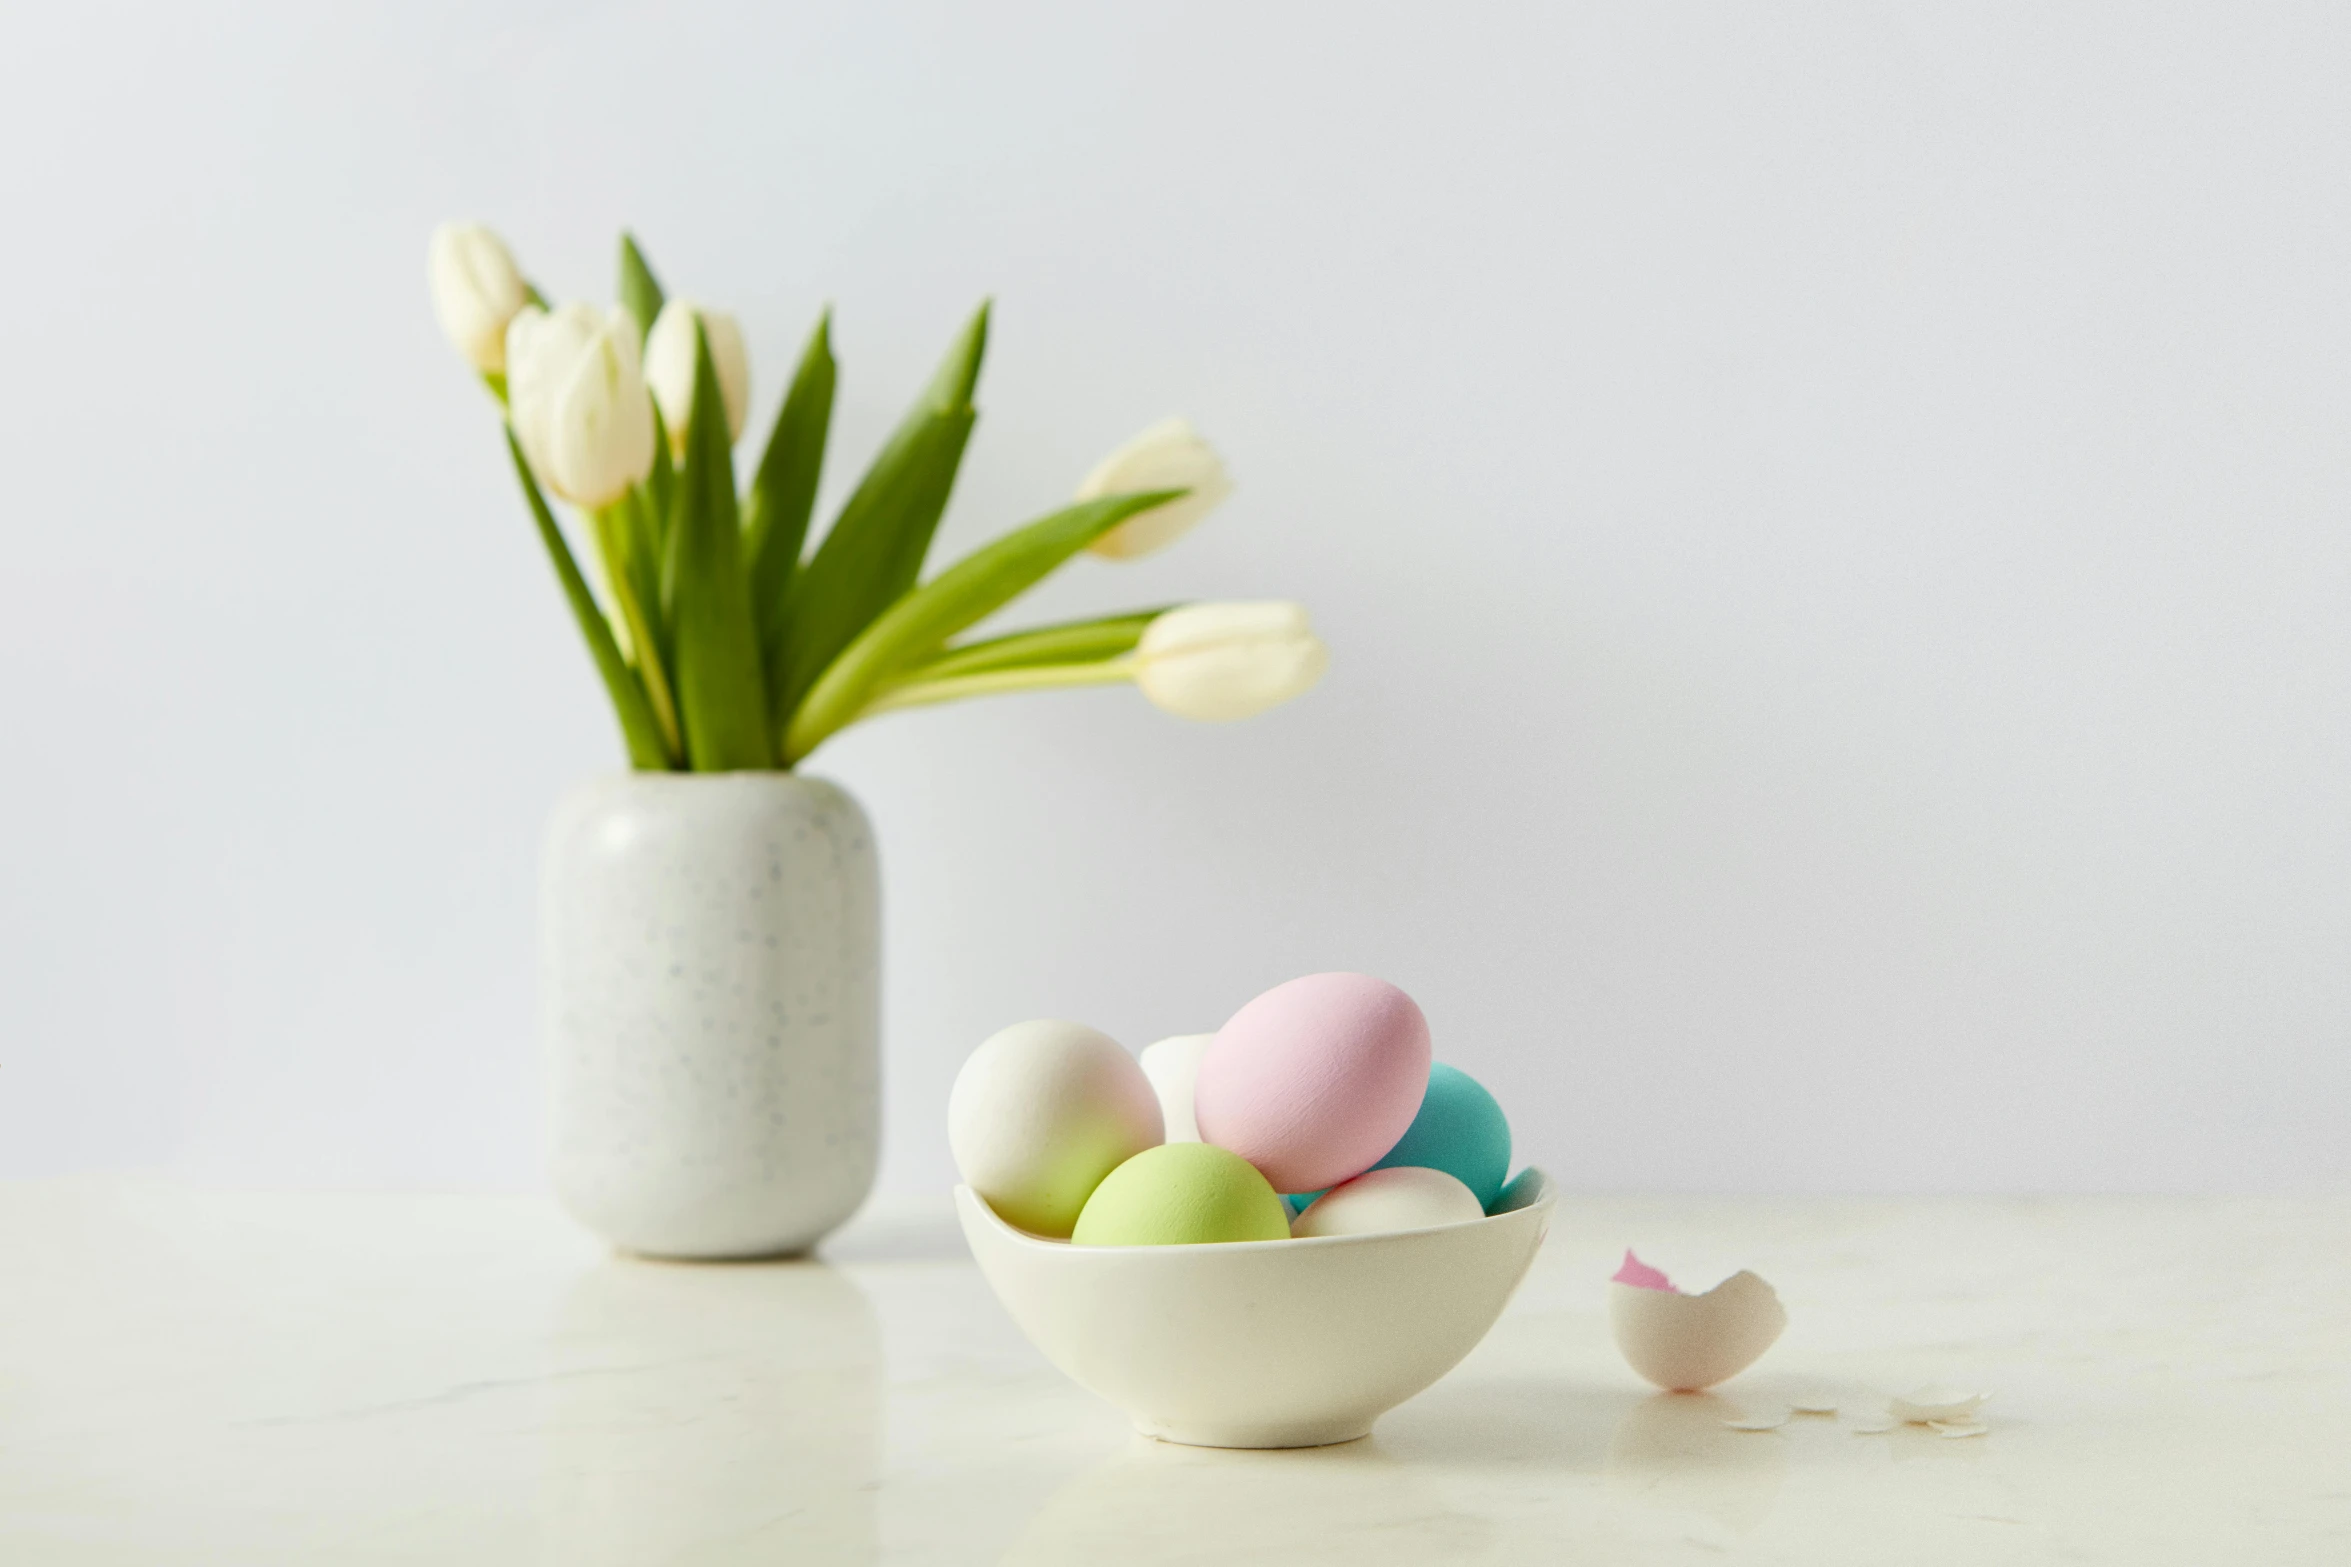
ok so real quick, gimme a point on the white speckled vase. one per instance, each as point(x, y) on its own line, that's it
point(711, 951)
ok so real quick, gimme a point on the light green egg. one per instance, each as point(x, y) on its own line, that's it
point(1182, 1194)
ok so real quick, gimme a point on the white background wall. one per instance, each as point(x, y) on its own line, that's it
point(1835, 524)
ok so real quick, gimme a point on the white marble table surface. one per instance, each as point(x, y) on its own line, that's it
point(212, 1377)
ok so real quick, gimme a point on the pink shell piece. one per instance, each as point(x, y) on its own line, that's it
point(1316, 1079)
point(1642, 1277)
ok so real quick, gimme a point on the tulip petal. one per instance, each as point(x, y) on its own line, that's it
point(670, 355)
point(576, 397)
point(1170, 455)
point(598, 431)
point(477, 291)
point(1220, 662)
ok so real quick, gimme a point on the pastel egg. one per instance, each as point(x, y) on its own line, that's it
point(1520, 1190)
point(1399, 1197)
point(1182, 1194)
point(1173, 1065)
point(1041, 1113)
point(1460, 1130)
point(1314, 1080)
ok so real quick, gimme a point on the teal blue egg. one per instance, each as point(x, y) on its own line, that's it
point(1459, 1130)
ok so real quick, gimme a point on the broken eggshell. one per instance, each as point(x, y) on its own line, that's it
point(1936, 1405)
point(1687, 1342)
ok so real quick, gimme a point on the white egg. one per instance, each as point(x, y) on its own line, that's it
point(1172, 1065)
point(1402, 1197)
point(1687, 1342)
point(1040, 1113)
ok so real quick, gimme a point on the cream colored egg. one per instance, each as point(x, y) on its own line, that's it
point(1172, 1065)
point(1687, 1342)
point(1040, 1113)
point(1377, 1202)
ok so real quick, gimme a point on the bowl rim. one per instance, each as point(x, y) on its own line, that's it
point(1545, 1195)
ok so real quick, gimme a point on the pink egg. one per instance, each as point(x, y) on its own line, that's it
point(1314, 1080)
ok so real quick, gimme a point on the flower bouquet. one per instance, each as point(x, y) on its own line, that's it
point(724, 642)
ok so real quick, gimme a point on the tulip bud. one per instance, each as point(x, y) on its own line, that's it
point(576, 396)
point(1224, 661)
point(669, 367)
point(476, 291)
point(1168, 456)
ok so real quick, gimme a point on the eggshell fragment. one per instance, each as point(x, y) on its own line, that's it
point(1041, 1112)
point(1380, 1202)
point(1641, 1276)
point(1173, 1065)
point(1926, 1405)
point(1770, 1422)
point(1687, 1342)
point(1315, 1079)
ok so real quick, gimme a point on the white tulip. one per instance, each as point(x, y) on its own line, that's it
point(669, 367)
point(1225, 661)
point(476, 291)
point(1168, 456)
point(576, 395)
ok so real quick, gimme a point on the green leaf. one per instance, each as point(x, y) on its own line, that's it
point(1071, 642)
point(658, 494)
point(874, 550)
point(964, 594)
point(958, 375)
point(783, 490)
point(640, 290)
point(721, 702)
point(629, 703)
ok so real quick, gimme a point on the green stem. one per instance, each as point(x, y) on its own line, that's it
point(1035, 677)
point(614, 544)
point(629, 704)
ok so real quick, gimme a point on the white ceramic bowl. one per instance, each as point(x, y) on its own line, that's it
point(1291, 1343)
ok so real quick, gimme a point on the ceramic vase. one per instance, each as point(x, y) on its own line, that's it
point(710, 951)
